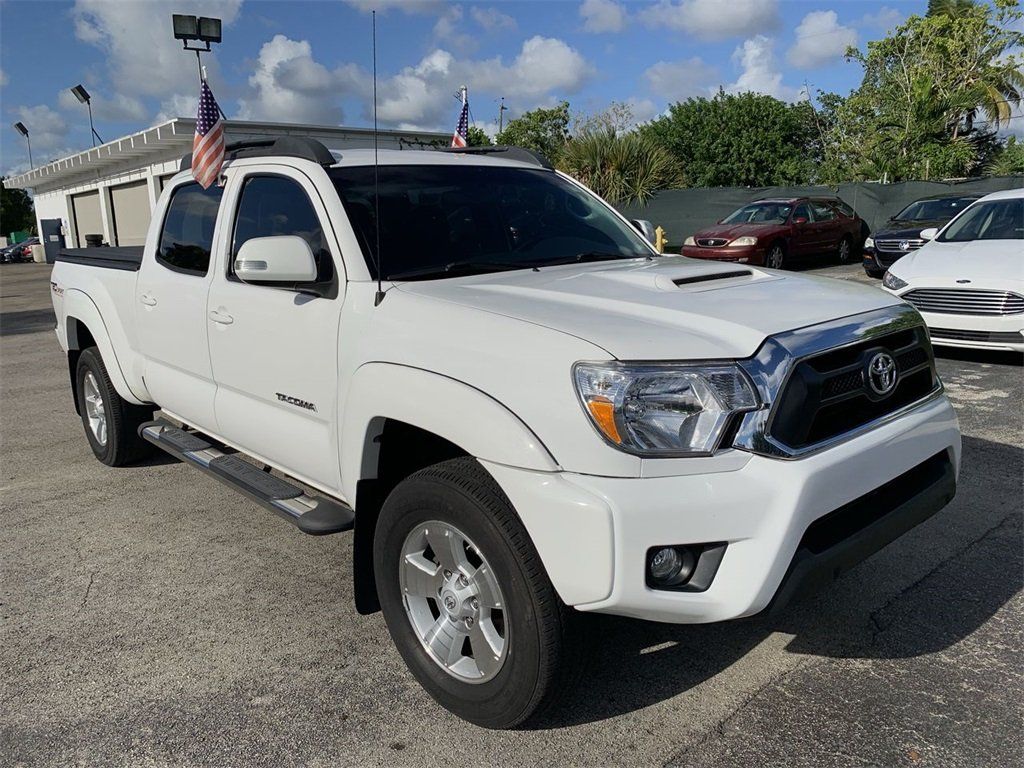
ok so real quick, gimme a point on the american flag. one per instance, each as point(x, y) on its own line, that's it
point(462, 129)
point(208, 144)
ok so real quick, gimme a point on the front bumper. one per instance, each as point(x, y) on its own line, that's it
point(593, 533)
point(751, 254)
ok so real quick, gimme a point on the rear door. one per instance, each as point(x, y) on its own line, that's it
point(828, 227)
point(804, 236)
point(275, 349)
point(170, 309)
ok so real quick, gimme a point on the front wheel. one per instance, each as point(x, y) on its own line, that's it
point(776, 256)
point(466, 598)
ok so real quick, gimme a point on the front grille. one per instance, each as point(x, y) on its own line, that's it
point(965, 301)
point(996, 337)
point(828, 394)
point(898, 246)
point(711, 242)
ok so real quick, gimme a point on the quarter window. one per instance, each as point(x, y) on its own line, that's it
point(275, 205)
point(187, 236)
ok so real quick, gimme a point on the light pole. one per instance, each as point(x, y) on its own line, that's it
point(20, 128)
point(83, 97)
point(203, 30)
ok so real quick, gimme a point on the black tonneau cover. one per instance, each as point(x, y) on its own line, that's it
point(128, 257)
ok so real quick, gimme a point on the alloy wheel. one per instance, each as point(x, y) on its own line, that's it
point(95, 410)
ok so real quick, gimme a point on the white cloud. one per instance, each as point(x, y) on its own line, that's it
point(643, 110)
point(713, 19)
point(289, 85)
point(406, 6)
point(820, 39)
point(602, 16)
point(47, 128)
point(545, 68)
point(674, 81)
point(178, 105)
point(884, 19)
point(142, 55)
point(492, 20)
point(447, 30)
point(759, 70)
point(116, 108)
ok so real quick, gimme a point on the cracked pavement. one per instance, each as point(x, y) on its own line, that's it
point(149, 616)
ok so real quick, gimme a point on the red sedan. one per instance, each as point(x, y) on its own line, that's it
point(775, 232)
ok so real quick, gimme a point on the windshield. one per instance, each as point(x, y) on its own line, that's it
point(760, 213)
point(441, 220)
point(943, 209)
point(995, 220)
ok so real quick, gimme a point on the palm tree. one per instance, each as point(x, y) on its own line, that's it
point(955, 8)
point(621, 167)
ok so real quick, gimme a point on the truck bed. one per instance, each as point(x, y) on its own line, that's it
point(128, 258)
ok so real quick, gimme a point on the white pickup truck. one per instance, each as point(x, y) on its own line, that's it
point(536, 414)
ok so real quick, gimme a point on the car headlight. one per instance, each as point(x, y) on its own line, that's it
point(892, 282)
point(740, 241)
point(689, 241)
point(663, 409)
point(869, 242)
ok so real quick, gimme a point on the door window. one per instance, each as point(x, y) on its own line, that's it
point(187, 235)
point(275, 205)
point(802, 212)
point(822, 211)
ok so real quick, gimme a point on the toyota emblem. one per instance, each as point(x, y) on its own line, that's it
point(881, 373)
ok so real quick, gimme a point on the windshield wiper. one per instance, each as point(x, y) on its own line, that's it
point(455, 268)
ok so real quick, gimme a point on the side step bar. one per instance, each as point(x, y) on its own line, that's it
point(314, 515)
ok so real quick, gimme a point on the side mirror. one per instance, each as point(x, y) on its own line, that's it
point(278, 259)
point(930, 233)
point(800, 220)
point(646, 229)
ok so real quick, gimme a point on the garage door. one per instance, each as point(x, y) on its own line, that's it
point(130, 206)
point(86, 208)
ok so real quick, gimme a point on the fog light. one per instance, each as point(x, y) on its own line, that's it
point(670, 566)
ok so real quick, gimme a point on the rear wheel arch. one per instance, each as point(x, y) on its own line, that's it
point(79, 338)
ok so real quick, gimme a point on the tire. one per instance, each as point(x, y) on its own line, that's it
point(775, 258)
point(111, 423)
point(538, 658)
point(845, 250)
point(875, 273)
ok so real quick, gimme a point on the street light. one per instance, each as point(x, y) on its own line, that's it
point(83, 97)
point(20, 128)
point(203, 29)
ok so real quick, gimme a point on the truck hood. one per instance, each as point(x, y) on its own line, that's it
point(990, 261)
point(663, 309)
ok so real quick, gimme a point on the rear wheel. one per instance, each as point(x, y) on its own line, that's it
point(845, 250)
point(776, 256)
point(466, 599)
point(111, 422)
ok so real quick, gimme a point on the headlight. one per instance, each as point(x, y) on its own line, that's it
point(869, 242)
point(689, 241)
point(892, 282)
point(665, 409)
point(743, 241)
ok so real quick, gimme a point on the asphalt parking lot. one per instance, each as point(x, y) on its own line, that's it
point(150, 616)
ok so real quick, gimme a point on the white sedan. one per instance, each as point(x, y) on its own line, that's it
point(968, 280)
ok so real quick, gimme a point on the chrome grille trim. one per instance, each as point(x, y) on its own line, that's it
point(711, 242)
point(965, 301)
point(893, 246)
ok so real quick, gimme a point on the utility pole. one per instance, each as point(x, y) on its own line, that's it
point(501, 115)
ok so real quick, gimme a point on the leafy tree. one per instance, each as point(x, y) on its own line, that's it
point(1009, 161)
point(16, 210)
point(621, 167)
point(617, 117)
point(475, 137)
point(542, 130)
point(740, 140)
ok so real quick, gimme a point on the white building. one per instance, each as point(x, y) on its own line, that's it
point(111, 190)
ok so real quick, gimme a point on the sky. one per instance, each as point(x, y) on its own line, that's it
point(310, 62)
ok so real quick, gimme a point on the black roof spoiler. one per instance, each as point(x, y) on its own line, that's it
point(511, 153)
point(283, 146)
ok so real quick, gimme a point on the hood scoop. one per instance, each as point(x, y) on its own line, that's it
point(712, 276)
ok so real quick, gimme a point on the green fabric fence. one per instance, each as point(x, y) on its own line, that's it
point(684, 211)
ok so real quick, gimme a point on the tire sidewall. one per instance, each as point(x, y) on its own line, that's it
point(497, 702)
point(89, 362)
point(782, 256)
point(849, 250)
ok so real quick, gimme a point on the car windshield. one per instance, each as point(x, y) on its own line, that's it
point(993, 220)
point(760, 213)
point(942, 209)
point(442, 220)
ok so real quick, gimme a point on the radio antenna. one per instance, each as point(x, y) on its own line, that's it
point(376, 169)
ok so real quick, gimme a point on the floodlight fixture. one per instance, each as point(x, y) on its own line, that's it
point(203, 29)
point(83, 97)
point(20, 128)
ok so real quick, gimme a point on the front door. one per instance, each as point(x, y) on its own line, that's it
point(275, 348)
point(803, 239)
point(51, 235)
point(170, 301)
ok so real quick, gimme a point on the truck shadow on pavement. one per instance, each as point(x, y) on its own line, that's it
point(921, 594)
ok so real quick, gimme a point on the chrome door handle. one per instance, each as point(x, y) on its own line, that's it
point(221, 317)
point(148, 300)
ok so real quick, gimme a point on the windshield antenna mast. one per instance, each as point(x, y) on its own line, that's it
point(376, 172)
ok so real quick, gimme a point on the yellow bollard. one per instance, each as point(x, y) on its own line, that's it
point(661, 238)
